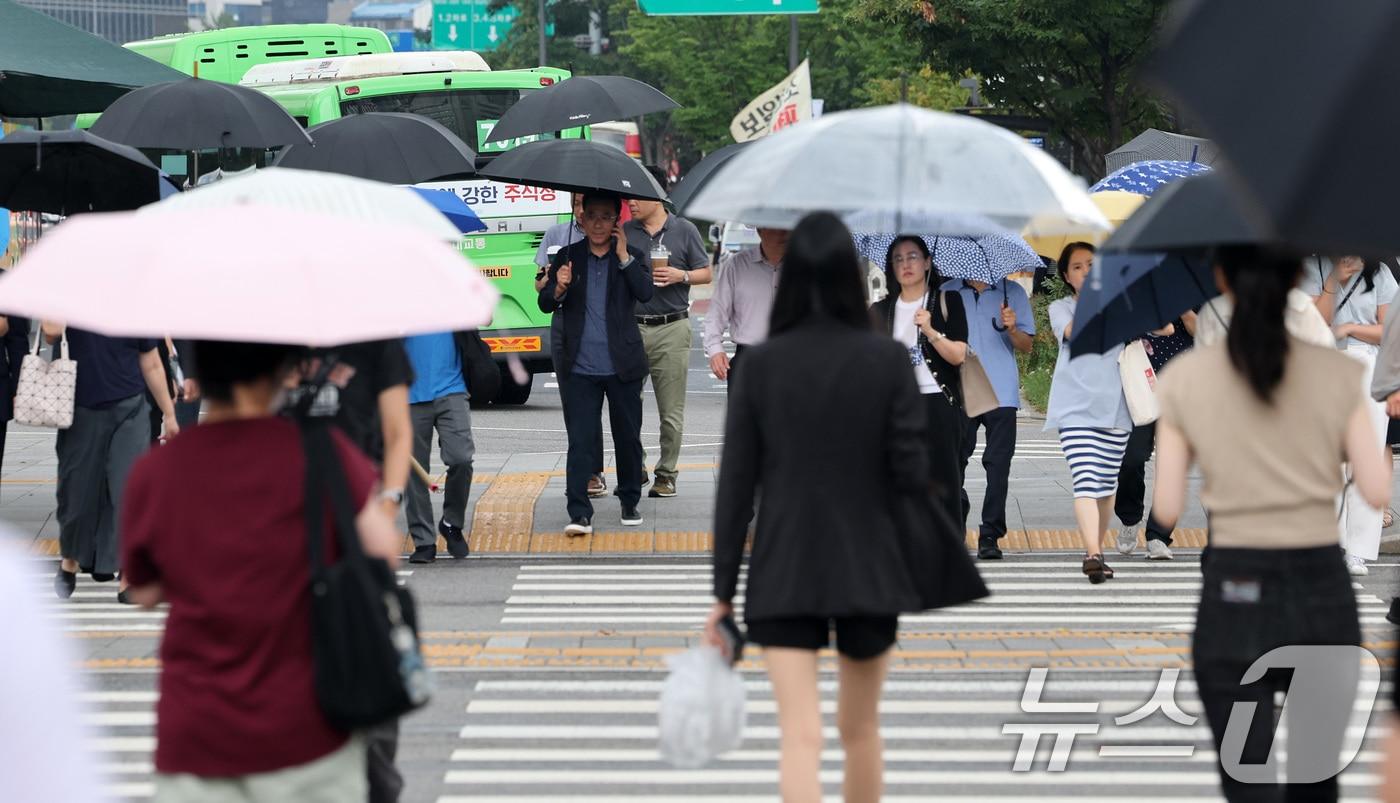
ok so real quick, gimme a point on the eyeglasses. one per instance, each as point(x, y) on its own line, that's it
point(596, 218)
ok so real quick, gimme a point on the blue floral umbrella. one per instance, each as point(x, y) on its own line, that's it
point(988, 258)
point(1145, 178)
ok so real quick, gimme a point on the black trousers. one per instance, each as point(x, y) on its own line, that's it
point(996, 460)
point(381, 750)
point(583, 419)
point(1129, 505)
point(733, 366)
point(945, 441)
point(4, 428)
point(598, 444)
point(1253, 601)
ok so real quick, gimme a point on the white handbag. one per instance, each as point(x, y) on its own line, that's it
point(47, 388)
point(1139, 384)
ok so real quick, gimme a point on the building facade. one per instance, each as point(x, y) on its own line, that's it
point(118, 20)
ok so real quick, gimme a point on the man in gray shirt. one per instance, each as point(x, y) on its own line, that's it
point(743, 300)
point(664, 320)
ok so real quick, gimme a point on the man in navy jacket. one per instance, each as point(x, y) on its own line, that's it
point(595, 284)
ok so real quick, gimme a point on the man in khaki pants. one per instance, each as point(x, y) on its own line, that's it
point(679, 260)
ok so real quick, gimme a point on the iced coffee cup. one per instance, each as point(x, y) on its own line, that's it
point(660, 259)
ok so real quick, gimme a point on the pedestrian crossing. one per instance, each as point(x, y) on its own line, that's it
point(1036, 592)
point(553, 737)
point(120, 705)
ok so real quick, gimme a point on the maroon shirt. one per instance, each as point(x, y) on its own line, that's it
point(216, 518)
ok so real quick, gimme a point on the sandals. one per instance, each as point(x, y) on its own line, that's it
point(1096, 570)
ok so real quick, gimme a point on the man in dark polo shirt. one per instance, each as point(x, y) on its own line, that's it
point(664, 320)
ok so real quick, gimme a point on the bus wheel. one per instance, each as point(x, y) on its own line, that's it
point(511, 392)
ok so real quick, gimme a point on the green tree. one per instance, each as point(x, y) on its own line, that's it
point(1073, 63)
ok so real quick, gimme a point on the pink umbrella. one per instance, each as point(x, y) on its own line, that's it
point(249, 273)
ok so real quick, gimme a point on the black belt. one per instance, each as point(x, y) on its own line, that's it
point(662, 320)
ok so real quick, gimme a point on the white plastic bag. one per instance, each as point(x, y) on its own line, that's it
point(701, 715)
point(1139, 384)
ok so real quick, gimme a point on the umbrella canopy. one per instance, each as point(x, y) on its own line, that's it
point(66, 172)
point(702, 172)
point(193, 114)
point(1145, 178)
point(1307, 169)
point(987, 258)
point(1116, 206)
point(259, 274)
point(391, 147)
point(1194, 214)
point(50, 68)
point(1127, 295)
point(354, 201)
point(581, 100)
point(897, 164)
point(575, 165)
point(453, 208)
point(1153, 144)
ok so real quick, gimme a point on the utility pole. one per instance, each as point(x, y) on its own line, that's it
point(544, 44)
point(792, 42)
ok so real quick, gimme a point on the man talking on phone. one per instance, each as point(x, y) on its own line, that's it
point(596, 284)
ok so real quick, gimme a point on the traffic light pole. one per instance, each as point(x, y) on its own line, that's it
point(544, 49)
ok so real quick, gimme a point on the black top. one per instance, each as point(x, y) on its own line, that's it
point(826, 422)
point(1161, 349)
point(625, 289)
point(13, 346)
point(109, 368)
point(378, 365)
point(954, 326)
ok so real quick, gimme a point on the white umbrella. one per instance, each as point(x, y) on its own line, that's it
point(251, 273)
point(893, 169)
point(354, 200)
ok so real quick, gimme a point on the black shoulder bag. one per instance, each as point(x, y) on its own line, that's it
point(364, 628)
point(483, 377)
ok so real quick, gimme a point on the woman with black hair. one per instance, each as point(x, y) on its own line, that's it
point(932, 327)
point(825, 422)
point(1088, 409)
point(1269, 420)
point(1353, 294)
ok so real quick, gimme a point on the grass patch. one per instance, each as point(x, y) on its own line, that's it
point(1038, 367)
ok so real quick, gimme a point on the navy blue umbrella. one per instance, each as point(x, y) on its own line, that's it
point(1129, 294)
point(454, 208)
point(1145, 178)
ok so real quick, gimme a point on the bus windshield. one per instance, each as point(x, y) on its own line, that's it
point(468, 113)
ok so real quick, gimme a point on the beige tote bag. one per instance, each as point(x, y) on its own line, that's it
point(47, 388)
point(1139, 384)
point(979, 397)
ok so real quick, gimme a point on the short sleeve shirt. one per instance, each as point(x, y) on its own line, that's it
point(237, 694)
point(562, 235)
point(1361, 306)
point(379, 365)
point(688, 253)
point(109, 368)
point(993, 347)
point(1086, 391)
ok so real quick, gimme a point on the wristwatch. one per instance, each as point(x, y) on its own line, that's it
point(394, 495)
point(685, 276)
point(937, 335)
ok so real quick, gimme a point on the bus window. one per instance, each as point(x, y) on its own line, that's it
point(468, 113)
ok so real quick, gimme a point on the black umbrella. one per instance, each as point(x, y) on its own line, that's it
point(193, 115)
point(1129, 294)
point(582, 100)
point(575, 165)
point(65, 172)
point(696, 177)
point(1195, 213)
point(1313, 140)
point(384, 146)
point(48, 68)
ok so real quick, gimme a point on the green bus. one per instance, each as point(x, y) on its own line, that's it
point(459, 90)
point(226, 54)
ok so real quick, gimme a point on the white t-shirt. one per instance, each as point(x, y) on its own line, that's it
point(907, 333)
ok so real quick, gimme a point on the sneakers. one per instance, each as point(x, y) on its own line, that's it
point(631, 517)
point(664, 487)
point(579, 526)
point(424, 554)
point(456, 541)
point(1158, 550)
point(987, 548)
point(597, 486)
point(1127, 540)
point(1357, 566)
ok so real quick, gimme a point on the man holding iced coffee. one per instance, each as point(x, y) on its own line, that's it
point(678, 260)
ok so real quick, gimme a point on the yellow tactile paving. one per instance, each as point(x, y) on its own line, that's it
point(554, 543)
point(632, 541)
point(505, 513)
point(684, 542)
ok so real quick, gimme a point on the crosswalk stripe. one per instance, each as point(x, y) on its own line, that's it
point(672, 777)
point(927, 757)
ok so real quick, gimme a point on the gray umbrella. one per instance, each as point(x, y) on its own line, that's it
point(1153, 145)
